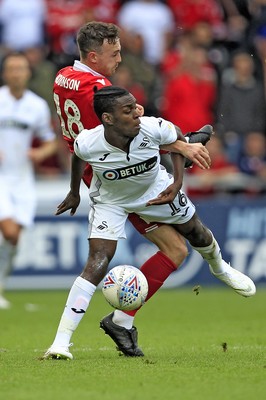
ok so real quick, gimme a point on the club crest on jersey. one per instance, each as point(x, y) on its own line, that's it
point(144, 143)
point(133, 170)
point(102, 81)
point(102, 227)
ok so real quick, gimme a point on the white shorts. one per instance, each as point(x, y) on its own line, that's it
point(18, 202)
point(108, 221)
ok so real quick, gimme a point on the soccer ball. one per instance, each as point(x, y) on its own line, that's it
point(125, 287)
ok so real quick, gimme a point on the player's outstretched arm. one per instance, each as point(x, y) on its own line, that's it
point(45, 150)
point(72, 200)
point(170, 193)
point(165, 197)
point(195, 152)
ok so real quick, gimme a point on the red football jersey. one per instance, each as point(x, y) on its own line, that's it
point(73, 97)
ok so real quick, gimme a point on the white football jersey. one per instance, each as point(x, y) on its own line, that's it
point(20, 121)
point(120, 177)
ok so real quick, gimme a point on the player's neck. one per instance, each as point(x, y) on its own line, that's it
point(17, 93)
point(121, 143)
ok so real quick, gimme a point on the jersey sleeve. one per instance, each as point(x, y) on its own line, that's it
point(81, 147)
point(167, 131)
point(161, 131)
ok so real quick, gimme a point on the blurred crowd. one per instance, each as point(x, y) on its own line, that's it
point(194, 62)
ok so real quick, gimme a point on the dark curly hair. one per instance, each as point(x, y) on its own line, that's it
point(105, 99)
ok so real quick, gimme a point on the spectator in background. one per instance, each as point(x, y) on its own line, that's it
point(226, 18)
point(200, 35)
point(222, 23)
point(259, 42)
point(241, 106)
point(257, 18)
point(64, 17)
point(256, 37)
point(22, 24)
point(105, 10)
point(151, 19)
point(124, 78)
point(252, 159)
point(237, 19)
point(217, 51)
point(142, 72)
point(43, 73)
point(188, 13)
point(171, 64)
point(189, 96)
point(23, 115)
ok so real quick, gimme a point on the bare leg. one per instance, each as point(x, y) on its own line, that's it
point(8, 246)
point(203, 241)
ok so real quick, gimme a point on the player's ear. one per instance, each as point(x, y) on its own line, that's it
point(107, 118)
point(92, 57)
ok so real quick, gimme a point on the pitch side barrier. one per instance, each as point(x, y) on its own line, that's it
point(53, 251)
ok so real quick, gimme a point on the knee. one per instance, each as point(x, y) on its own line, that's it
point(97, 263)
point(170, 242)
point(179, 252)
point(95, 269)
point(175, 249)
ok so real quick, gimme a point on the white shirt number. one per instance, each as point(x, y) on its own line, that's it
point(73, 117)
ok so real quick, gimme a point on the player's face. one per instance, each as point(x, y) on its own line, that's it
point(108, 59)
point(16, 72)
point(126, 121)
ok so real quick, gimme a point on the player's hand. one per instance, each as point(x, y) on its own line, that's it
point(35, 155)
point(140, 110)
point(166, 196)
point(195, 152)
point(71, 203)
point(198, 153)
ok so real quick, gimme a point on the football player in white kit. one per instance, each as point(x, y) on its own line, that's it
point(124, 153)
point(74, 87)
point(23, 115)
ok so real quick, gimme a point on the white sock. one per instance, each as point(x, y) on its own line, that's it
point(212, 254)
point(77, 303)
point(122, 319)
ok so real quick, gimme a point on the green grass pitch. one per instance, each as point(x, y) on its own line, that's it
point(205, 346)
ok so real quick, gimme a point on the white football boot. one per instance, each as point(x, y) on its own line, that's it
point(241, 283)
point(58, 353)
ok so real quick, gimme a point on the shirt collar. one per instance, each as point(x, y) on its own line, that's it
point(79, 66)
